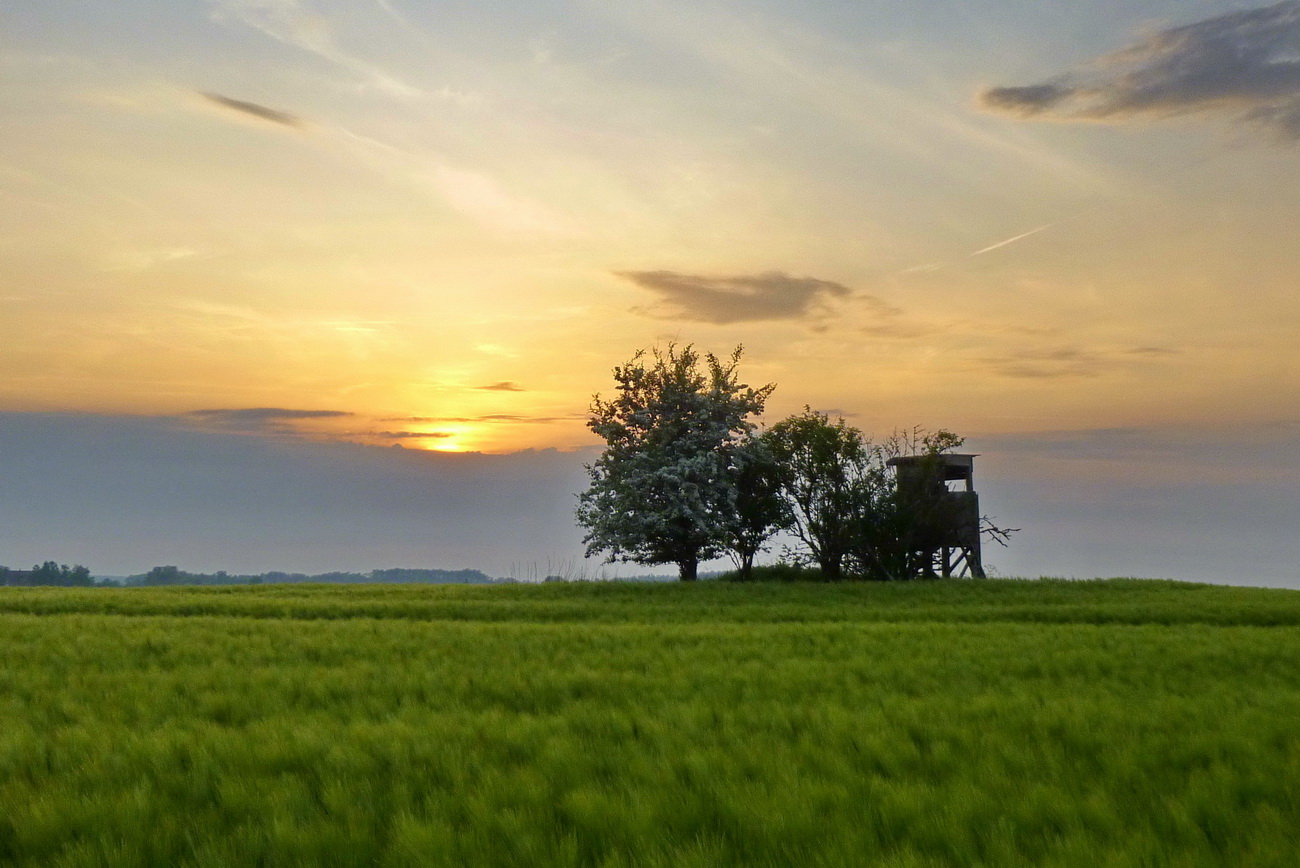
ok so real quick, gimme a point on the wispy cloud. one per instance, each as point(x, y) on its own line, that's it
point(489, 418)
point(480, 196)
point(260, 420)
point(1059, 363)
point(503, 386)
point(254, 110)
point(1055, 363)
point(773, 295)
point(225, 319)
point(901, 329)
point(484, 199)
point(1223, 455)
point(391, 11)
point(296, 23)
point(405, 435)
point(778, 61)
point(1243, 64)
point(142, 260)
point(924, 268)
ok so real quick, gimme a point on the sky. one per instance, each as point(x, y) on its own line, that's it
point(317, 230)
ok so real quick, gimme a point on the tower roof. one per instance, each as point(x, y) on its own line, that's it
point(956, 465)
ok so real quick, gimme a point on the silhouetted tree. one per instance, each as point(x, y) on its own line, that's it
point(855, 513)
point(664, 490)
point(760, 509)
point(169, 575)
point(51, 573)
point(830, 478)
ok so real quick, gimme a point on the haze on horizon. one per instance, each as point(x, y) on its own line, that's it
point(440, 225)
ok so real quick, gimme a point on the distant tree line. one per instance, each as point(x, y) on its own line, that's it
point(686, 476)
point(53, 574)
point(171, 575)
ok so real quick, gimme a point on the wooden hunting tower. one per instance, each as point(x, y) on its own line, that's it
point(940, 491)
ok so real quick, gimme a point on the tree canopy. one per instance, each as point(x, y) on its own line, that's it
point(48, 573)
point(665, 488)
point(830, 481)
point(686, 476)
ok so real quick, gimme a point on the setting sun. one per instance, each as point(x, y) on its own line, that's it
point(447, 439)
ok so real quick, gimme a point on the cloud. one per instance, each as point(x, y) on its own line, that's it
point(1024, 101)
point(1244, 64)
point(904, 329)
point(1070, 362)
point(260, 419)
point(773, 295)
point(503, 386)
point(490, 417)
point(244, 502)
point(254, 110)
point(406, 435)
point(293, 22)
point(1221, 453)
point(482, 198)
point(142, 260)
point(391, 11)
point(1048, 364)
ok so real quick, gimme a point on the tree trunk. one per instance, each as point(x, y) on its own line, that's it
point(688, 569)
point(831, 568)
point(746, 566)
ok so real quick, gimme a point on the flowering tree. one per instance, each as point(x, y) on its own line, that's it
point(665, 489)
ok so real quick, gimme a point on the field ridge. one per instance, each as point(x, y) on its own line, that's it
point(1048, 601)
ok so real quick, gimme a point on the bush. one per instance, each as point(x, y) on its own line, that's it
point(779, 572)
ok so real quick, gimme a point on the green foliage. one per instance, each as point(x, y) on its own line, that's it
point(904, 519)
point(760, 509)
point(782, 571)
point(50, 573)
point(910, 724)
point(848, 507)
point(1112, 602)
point(833, 481)
point(684, 477)
point(664, 489)
point(170, 575)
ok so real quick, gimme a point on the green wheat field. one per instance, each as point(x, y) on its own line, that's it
point(996, 723)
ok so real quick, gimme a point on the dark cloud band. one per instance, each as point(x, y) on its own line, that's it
point(265, 414)
point(773, 295)
point(255, 110)
point(1060, 363)
point(1244, 64)
point(259, 419)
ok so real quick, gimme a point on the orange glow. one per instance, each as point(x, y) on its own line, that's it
point(447, 438)
point(362, 267)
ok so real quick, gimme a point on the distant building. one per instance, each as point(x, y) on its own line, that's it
point(15, 577)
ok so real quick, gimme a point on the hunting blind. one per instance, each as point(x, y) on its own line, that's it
point(940, 492)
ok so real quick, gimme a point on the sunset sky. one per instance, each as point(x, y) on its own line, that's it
point(441, 224)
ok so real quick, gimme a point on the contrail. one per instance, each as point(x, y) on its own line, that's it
point(1013, 240)
point(393, 13)
point(922, 269)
